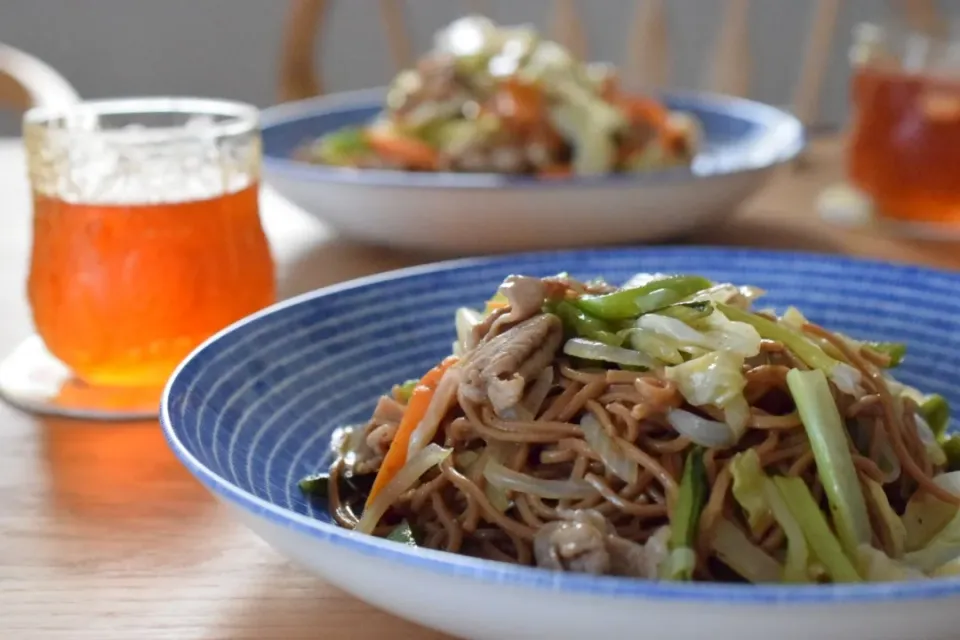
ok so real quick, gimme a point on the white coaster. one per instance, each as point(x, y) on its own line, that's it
point(844, 205)
point(33, 380)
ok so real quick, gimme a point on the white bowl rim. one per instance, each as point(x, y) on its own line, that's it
point(782, 140)
point(492, 572)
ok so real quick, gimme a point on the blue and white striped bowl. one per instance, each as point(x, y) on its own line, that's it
point(252, 410)
point(478, 213)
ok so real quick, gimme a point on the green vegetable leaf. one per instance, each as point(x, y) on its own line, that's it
point(686, 518)
point(316, 485)
point(815, 529)
point(762, 501)
point(581, 324)
point(405, 390)
point(748, 484)
point(892, 532)
point(688, 312)
point(876, 566)
point(343, 147)
point(798, 556)
point(926, 516)
point(403, 533)
point(810, 353)
point(951, 447)
point(828, 439)
point(893, 350)
point(936, 412)
point(631, 303)
point(714, 379)
point(735, 550)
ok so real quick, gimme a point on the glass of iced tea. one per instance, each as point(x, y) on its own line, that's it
point(904, 145)
point(146, 241)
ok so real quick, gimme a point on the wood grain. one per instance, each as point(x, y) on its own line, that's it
point(648, 63)
point(104, 536)
point(730, 65)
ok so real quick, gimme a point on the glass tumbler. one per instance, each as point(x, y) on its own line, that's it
point(147, 240)
point(904, 144)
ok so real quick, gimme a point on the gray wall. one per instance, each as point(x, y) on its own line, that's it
point(230, 48)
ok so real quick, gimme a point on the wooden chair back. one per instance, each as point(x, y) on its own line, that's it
point(26, 81)
point(648, 60)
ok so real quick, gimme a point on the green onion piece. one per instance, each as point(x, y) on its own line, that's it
point(936, 413)
point(405, 390)
point(630, 303)
point(403, 534)
point(582, 325)
point(951, 447)
point(342, 147)
point(685, 522)
point(828, 439)
point(316, 485)
point(893, 350)
point(810, 353)
point(816, 530)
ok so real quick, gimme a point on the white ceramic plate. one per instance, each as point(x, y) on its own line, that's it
point(252, 411)
point(480, 213)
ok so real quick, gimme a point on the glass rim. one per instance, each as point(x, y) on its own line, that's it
point(242, 117)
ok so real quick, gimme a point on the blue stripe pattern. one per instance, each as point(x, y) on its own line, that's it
point(252, 410)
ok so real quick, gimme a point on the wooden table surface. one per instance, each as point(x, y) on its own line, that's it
point(104, 536)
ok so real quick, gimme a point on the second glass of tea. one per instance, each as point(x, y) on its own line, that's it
point(904, 146)
point(147, 240)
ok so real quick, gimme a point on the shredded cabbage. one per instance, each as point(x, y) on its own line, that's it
point(894, 534)
point(876, 566)
point(510, 480)
point(719, 333)
point(726, 293)
point(929, 439)
point(735, 550)
point(736, 337)
point(421, 462)
point(609, 451)
point(702, 431)
point(593, 350)
point(663, 349)
point(761, 499)
point(748, 490)
point(715, 379)
point(926, 516)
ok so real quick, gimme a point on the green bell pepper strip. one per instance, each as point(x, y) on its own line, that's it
point(583, 325)
point(631, 303)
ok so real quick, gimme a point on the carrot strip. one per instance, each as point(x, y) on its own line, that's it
point(419, 401)
point(519, 104)
point(640, 109)
point(403, 149)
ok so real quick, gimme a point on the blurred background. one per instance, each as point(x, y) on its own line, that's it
point(231, 48)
